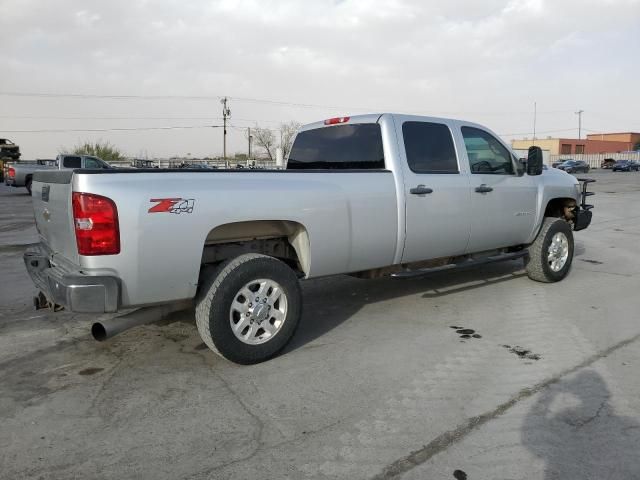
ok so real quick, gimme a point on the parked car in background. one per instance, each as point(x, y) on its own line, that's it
point(607, 163)
point(574, 166)
point(560, 162)
point(626, 166)
point(196, 166)
point(20, 174)
point(143, 163)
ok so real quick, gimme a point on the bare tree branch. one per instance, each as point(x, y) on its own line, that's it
point(288, 132)
point(264, 139)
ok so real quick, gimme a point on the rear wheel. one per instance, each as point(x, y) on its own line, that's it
point(248, 308)
point(28, 185)
point(551, 253)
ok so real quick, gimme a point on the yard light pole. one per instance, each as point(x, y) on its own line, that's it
point(579, 113)
point(535, 115)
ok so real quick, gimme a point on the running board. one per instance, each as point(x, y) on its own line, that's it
point(469, 263)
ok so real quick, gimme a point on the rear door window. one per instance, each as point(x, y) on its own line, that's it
point(72, 162)
point(429, 148)
point(341, 147)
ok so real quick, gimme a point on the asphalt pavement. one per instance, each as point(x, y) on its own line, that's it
point(482, 374)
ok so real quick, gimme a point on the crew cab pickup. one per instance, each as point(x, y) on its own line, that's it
point(20, 174)
point(371, 195)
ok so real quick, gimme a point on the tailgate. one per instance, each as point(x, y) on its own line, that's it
point(51, 193)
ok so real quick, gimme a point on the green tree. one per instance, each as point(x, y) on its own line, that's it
point(101, 149)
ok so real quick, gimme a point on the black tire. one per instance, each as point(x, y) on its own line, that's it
point(28, 185)
point(536, 262)
point(218, 290)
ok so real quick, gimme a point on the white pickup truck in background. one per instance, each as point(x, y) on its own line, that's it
point(372, 195)
point(20, 174)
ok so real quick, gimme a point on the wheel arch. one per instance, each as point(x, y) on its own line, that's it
point(284, 239)
point(560, 207)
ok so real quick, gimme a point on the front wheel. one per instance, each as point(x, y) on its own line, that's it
point(248, 308)
point(551, 254)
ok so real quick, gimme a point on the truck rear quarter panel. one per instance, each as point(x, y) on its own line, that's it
point(351, 219)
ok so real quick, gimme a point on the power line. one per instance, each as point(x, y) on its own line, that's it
point(252, 100)
point(124, 117)
point(530, 133)
point(64, 130)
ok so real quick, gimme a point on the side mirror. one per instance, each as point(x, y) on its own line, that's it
point(534, 161)
point(521, 165)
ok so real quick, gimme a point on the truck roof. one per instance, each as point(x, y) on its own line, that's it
point(373, 118)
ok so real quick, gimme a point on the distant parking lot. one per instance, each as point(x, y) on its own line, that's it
point(481, 374)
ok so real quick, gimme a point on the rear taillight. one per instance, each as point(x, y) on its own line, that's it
point(11, 172)
point(336, 120)
point(96, 223)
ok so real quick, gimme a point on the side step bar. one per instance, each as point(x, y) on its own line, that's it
point(469, 263)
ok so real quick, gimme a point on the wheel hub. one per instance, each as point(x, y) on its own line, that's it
point(258, 311)
point(558, 252)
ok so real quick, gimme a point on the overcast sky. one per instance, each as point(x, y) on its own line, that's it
point(484, 61)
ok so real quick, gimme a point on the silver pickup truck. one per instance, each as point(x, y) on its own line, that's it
point(372, 195)
point(20, 174)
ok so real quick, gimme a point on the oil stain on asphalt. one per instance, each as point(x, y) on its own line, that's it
point(594, 262)
point(522, 352)
point(466, 332)
point(90, 371)
point(459, 475)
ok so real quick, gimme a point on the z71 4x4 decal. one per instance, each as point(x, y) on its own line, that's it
point(172, 205)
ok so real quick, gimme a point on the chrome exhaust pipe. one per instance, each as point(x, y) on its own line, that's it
point(106, 329)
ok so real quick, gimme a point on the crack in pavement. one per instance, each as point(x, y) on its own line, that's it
point(446, 439)
point(582, 423)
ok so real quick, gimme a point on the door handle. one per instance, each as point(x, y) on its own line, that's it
point(421, 190)
point(484, 189)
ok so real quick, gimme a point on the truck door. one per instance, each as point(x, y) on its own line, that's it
point(436, 192)
point(503, 205)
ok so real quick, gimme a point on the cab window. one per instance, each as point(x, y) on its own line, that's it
point(486, 154)
point(72, 162)
point(92, 163)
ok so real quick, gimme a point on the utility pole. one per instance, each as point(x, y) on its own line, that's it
point(579, 113)
point(535, 114)
point(225, 113)
point(249, 137)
